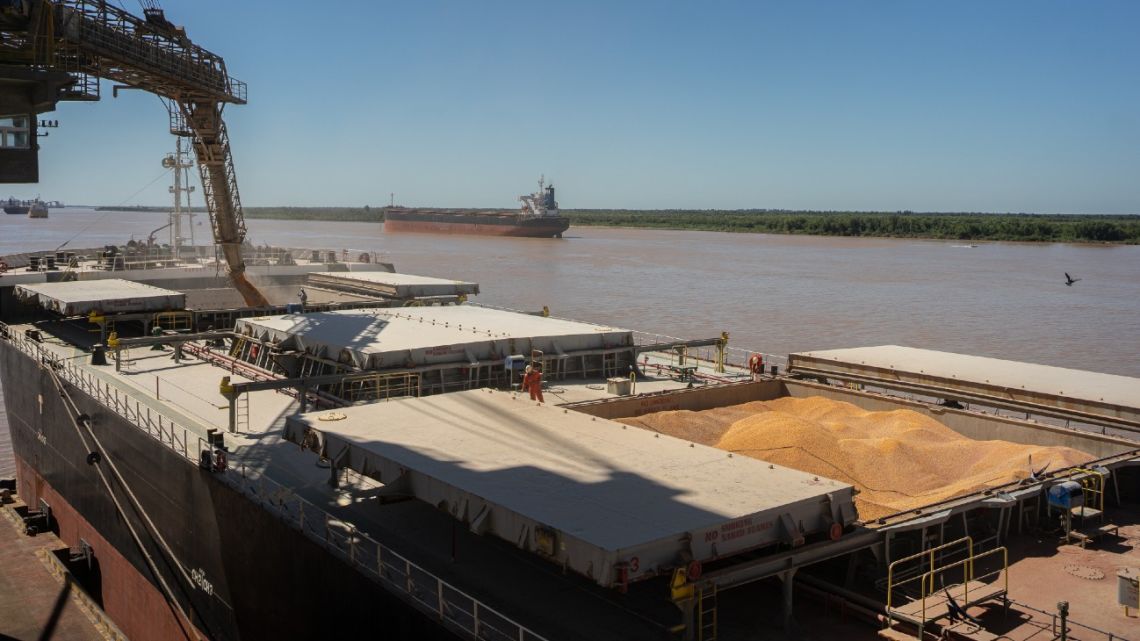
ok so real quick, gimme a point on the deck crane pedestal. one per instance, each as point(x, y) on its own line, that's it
point(83, 41)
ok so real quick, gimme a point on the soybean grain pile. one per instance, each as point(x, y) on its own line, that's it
point(898, 460)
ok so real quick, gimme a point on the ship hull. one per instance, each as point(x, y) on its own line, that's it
point(17, 210)
point(235, 557)
point(476, 224)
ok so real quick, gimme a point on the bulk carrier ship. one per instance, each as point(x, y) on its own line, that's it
point(537, 218)
point(226, 458)
point(366, 461)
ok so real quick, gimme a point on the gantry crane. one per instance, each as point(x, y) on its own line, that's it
point(54, 50)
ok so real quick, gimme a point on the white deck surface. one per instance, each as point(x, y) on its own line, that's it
point(1043, 379)
point(385, 336)
point(610, 485)
point(404, 285)
point(111, 295)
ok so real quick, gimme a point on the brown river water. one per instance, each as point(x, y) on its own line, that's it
point(775, 294)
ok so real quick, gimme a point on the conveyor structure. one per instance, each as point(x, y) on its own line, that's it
point(52, 50)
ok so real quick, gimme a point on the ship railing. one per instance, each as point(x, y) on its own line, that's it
point(452, 607)
point(734, 356)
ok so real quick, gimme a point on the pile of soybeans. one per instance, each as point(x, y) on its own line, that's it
point(898, 460)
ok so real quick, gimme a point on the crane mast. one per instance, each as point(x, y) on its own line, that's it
point(61, 48)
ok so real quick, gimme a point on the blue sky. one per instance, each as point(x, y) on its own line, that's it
point(956, 106)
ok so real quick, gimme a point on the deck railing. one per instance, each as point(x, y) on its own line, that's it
point(452, 607)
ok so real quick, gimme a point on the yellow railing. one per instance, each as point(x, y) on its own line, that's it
point(376, 386)
point(928, 579)
point(969, 541)
point(967, 576)
point(1093, 484)
point(177, 320)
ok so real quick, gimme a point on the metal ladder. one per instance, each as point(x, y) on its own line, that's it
point(706, 613)
point(609, 365)
point(241, 413)
point(239, 344)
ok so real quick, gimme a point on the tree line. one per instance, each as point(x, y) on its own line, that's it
point(902, 224)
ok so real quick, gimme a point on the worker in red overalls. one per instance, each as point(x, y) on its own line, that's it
point(532, 382)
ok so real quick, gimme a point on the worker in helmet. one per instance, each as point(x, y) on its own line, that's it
point(532, 382)
point(156, 332)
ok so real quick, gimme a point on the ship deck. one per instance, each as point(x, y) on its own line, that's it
point(539, 593)
point(186, 394)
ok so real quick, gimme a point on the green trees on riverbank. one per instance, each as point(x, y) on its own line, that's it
point(963, 226)
point(1023, 227)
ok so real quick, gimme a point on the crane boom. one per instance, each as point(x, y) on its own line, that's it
point(92, 39)
point(219, 186)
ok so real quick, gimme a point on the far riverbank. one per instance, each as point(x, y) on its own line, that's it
point(1045, 228)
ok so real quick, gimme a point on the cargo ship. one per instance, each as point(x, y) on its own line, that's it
point(16, 207)
point(361, 453)
point(35, 208)
point(538, 217)
point(362, 459)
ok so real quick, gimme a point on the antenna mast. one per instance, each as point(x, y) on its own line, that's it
point(180, 165)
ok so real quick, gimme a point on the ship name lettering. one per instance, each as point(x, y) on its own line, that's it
point(199, 578)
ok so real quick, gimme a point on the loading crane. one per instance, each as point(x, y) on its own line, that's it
point(52, 50)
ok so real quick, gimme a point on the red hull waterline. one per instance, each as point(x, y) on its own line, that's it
point(530, 231)
point(133, 603)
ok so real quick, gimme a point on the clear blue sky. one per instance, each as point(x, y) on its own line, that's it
point(954, 106)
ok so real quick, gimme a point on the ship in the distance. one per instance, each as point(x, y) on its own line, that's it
point(13, 206)
point(537, 218)
point(34, 208)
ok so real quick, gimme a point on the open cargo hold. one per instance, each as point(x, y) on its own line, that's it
point(907, 454)
point(897, 460)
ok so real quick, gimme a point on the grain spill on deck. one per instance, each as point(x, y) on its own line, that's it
point(898, 460)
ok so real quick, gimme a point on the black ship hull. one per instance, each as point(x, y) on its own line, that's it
point(245, 573)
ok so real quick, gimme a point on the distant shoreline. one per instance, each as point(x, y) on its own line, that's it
point(1046, 228)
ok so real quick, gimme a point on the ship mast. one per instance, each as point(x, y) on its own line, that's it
point(180, 164)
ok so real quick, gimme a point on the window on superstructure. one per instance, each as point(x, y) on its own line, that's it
point(15, 132)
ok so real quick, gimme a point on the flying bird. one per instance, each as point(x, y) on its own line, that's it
point(1069, 280)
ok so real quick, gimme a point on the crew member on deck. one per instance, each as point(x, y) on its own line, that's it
point(304, 298)
point(532, 382)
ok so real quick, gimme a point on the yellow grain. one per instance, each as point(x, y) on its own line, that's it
point(898, 460)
